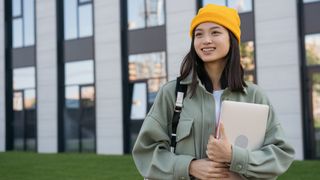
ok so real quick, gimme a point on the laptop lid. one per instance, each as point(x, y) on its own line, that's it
point(244, 123)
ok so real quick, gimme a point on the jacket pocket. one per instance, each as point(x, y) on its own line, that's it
point(185, 138)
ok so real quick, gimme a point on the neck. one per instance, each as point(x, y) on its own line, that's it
point(214, 70)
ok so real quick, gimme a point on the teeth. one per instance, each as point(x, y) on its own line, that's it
point(208, 49)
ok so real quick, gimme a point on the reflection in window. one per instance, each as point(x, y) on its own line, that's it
point(154, 85)
point(136, 15)
point(145, 13)
point(29, 27)
point(150, 67)
point(240, 5)
point(79, 110)
point(30, 99)
point(139, 101)
point(312, 47)
point(87, 96)
point(308, 1)
point(24, 78)
point(77, 19)
point(143, 66)
point(24, 87)
point(17, 101)
point(16, 8)
point(72, 97)
point(17, 39)
point(80, 72)
point(218, 2)
point(155, 12)
point(247, 59)
point(316, 110)
point(23, 25)
point(85, 20)
point(24, 109)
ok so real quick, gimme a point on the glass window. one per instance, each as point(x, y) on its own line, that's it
point(17, 33)
point(218, 2)
point(16, 8)
point(23, 78)
point(30, 99)
point(155, 12)
point(145, 13)
point(23, 23)
point(154, 85)
point(312, 47)
point(247, 59)
point(150, 67)
point(136, 14)
point(85, 20)
point(80, 72)
point(144, 66)
point(77, 19)
point(28, 16)
point(139, 101)
point(316, 110)
point(79, 109)
point(308, 1)
point(70, 19)
point(17, 101)
point(72, 97)
point(87, 96)
point(241, 5)
point(84, 1)
point(24, 109)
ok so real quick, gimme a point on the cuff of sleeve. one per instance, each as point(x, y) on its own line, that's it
point(181, 168)
point(239, 161)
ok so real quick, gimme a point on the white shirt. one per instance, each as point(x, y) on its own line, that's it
point(217, 99)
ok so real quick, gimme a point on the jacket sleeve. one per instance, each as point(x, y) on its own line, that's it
point(272, 159)
point(151, 152)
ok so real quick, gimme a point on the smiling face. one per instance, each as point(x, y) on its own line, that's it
point(211, 42)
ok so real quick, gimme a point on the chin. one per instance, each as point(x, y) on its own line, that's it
point(211, 59)
point(208, 59)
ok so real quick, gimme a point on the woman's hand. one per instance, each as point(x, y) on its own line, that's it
point(207, 169)
point(219, 150)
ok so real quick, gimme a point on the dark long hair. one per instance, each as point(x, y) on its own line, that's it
point(231, 77)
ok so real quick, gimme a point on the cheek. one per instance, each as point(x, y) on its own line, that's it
point(225, 48)
point(196, 47)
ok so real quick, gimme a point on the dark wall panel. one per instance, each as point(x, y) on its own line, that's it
point(247, 27)
point(311, 22)
point(22, 57)
point(78, 49)
point(147, 40)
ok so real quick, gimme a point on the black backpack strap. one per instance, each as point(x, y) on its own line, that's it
point(181, 92)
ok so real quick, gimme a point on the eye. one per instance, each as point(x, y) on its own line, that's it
point(215, 32)
point(198, 34)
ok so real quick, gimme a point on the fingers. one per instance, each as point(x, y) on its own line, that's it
point(220, 170)
point(222, 131)
point(220, 165)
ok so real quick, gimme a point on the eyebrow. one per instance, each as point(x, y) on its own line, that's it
point(214, 27)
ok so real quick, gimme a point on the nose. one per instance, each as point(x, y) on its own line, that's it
point(208, 40)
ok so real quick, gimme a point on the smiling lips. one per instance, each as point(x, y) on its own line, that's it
point(208, 49)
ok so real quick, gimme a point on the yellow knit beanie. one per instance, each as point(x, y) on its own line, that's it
point(222, 15)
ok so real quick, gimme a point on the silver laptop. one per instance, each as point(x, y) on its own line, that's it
point(245, 123)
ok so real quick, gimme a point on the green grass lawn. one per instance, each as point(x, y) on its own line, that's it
point(32, 166)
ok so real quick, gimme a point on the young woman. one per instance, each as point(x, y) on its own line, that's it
point(213, 73)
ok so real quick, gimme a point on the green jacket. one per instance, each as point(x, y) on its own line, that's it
point(151, 151)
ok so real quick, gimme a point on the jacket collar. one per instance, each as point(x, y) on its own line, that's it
point(188, 81)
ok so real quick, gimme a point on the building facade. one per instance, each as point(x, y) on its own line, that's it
point(80, 75)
